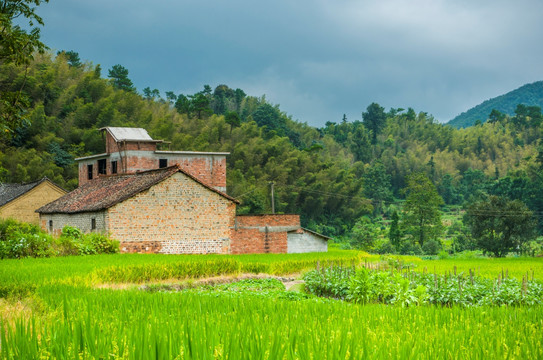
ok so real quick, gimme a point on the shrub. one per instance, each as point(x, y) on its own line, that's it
point(431, 247)
point(101, 243)
point(18, 240)
point(409, 248)
point(385, 247)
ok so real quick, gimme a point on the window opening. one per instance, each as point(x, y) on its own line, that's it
point(162, 163)
point(114, 167)
point(89, 171)
point(93, 224)
point(102, 167)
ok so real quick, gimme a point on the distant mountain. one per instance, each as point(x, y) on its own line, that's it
point(529, 94)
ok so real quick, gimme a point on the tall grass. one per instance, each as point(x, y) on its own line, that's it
point(137, 325)
point(21, 277)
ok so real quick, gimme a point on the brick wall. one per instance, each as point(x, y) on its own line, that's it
point(268, 220)
point(24, 207)
point(113, 146)
point(181, 214)
point(208, 168)
point(254, 234)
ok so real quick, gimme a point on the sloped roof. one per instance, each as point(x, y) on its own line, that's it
point(10, 192)
point(311, 232)
point(105, 191)
point(128, 134)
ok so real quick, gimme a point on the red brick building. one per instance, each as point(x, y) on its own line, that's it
point(128, 150)
point(171, 202)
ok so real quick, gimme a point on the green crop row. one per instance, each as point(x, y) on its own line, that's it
point(410, 288)
point(108, 324)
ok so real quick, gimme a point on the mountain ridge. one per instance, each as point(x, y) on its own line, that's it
point(529, 94)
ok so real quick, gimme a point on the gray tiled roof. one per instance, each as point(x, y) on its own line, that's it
point(10, 192)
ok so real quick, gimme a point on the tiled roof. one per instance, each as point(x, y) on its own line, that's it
point(126, 133)
point(105, 191)
point(10, 192)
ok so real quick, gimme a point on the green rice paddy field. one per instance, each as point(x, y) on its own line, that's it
point(96, 308)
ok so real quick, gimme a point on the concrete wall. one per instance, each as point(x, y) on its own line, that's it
point(256, 234)
point(183, 216)
point(82, 221)
point(24, 207)
point(303, 241)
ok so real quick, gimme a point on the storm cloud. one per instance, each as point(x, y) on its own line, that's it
point(317, 59)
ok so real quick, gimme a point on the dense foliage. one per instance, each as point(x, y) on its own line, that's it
point(19, 240)
point(343, 174)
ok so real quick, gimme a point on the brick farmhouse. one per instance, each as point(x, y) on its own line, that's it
point(172, 202)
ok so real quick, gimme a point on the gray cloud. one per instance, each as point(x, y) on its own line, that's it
point(317, 59)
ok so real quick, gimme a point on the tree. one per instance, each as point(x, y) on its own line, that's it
point(500, 225)
point(119, 78)
point(171, 97)
point(182, 104)
point(72, 58)
point(395, 233)
point(495, 116)
point(151, 94)
point(374, 119)
point(364, 234)
point(270, 116)
point(17, 47)
point(422, 215)
point(199, 103)
point(377, 185)
point(232, 119)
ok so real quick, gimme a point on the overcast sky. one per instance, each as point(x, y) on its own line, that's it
point(318, 59)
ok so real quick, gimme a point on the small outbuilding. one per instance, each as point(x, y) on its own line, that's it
point(20, 201)
point(274, 233)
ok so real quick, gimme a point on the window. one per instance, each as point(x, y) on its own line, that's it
point(102, 167)
point(162, 163)
point(114, 167)
point(89, 171)
point(93, 224)
point(50, 225)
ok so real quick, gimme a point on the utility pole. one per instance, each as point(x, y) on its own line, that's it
point(272, 197)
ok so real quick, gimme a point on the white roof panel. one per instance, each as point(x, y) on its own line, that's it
point(126, 133)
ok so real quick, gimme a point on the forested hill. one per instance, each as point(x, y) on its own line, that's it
point(528, 95)
point(332, 176)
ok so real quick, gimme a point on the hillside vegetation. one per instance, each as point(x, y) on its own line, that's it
point(528, 95)
point(333, 176)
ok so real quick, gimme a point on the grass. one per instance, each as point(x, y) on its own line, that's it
point(139, 325)
point(487, 267)
point(53, 308)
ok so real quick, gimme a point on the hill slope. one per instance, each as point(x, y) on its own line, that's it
point(529, 94)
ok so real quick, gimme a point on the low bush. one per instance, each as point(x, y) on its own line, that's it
point(19, 240)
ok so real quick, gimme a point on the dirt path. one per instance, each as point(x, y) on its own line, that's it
point(289, 281)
